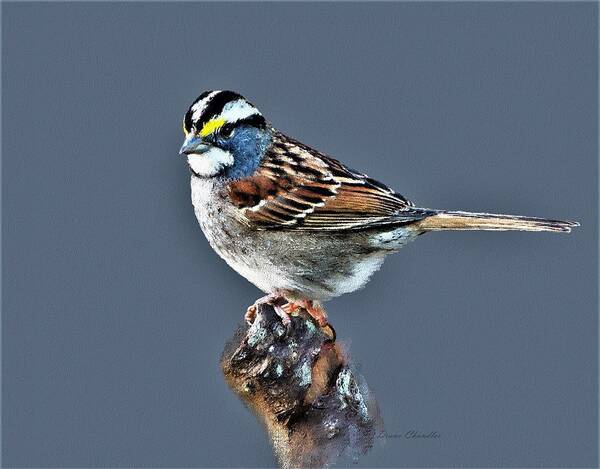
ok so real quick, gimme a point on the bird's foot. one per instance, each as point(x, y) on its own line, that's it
point(314, 309)
point(250, 315)
point(282, 313)
point(291, 308)
point(274, 299)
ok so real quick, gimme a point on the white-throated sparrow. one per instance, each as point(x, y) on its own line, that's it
point(298, 224)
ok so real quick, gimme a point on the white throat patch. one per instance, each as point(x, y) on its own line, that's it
point(210, 163)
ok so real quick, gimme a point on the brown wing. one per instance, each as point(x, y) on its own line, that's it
point(300, 188)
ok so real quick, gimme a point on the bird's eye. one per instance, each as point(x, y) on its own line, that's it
point(226, 131)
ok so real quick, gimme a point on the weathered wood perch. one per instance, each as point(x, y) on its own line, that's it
point(297, 379)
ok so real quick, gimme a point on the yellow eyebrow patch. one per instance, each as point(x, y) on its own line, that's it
point(211, 126)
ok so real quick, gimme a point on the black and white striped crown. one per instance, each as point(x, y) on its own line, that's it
point(214, 109)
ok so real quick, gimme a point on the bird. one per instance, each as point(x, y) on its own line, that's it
point(297, 223)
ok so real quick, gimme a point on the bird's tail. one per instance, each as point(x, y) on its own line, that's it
point(448, 220)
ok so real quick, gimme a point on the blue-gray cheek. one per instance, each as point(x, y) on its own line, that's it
point(248, 147)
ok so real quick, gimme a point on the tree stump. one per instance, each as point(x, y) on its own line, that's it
point(297, 379)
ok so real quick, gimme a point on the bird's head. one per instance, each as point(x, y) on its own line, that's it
point(225, 135)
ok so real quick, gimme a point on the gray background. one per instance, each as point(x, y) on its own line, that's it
point(115, 309)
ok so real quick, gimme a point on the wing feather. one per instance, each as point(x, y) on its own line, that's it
point(300, 188)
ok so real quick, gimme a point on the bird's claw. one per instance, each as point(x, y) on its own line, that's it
point(272, 299)
point(250, 315)
point(284, 309)
point(315, 311)
point(283, 314)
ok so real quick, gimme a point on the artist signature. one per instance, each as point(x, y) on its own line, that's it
point(411, 435)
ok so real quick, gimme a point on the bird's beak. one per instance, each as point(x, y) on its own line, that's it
point(193, 146)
